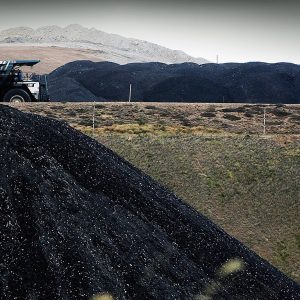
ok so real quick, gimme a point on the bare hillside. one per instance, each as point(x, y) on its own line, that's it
point(51, 57)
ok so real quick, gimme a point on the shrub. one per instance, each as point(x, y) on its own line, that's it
point(186, 122)
point(150, 107)
point(232, 109)
point(208, 114)
point(211, 108)
point(85, 122)
point(295, 118)
point(248, 115)
point(80, 110)
point(274, 123)
point(280, 113)
point(108, 123)
point(71, 113)
point(142, 121)
point(100, 106)
point(231, 117)
point(55, 107)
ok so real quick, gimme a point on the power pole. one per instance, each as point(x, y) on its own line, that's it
point(130, 88)
point(217, 58)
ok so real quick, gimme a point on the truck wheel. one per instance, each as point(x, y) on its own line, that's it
point(17, 96)
point(44, 97)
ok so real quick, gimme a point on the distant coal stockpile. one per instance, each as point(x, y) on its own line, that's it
point(188, 82)
point(77, 220)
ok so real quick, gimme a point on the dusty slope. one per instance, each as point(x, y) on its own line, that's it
point(78, 220)
point(51, 57)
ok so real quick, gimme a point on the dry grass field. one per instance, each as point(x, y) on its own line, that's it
point(215, 157)
point(222, 119)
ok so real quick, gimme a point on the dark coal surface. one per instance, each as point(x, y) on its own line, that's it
point(77, 220)
point(231, 82)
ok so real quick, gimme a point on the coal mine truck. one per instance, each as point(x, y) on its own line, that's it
point(17, 86)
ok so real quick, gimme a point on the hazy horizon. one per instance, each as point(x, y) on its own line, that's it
point(236, 31)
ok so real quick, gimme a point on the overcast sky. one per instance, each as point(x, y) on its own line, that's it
point(236, 30)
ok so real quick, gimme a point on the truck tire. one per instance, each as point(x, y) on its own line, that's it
point(17, 96)
point(44, 97)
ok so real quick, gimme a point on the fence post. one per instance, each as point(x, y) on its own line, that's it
point(130, 91)
point(264, 124)
point(94, 118)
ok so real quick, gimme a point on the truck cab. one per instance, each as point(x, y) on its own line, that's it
point(15, 86)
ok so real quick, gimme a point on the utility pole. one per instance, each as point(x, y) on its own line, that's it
point(130, 88)
point(217, 58)
point(264, 121)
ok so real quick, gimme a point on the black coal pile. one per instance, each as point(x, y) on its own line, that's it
point(188, 82)
point(77, 220)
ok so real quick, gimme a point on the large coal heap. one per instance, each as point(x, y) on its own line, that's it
point(77, 220)
point(157, 82)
